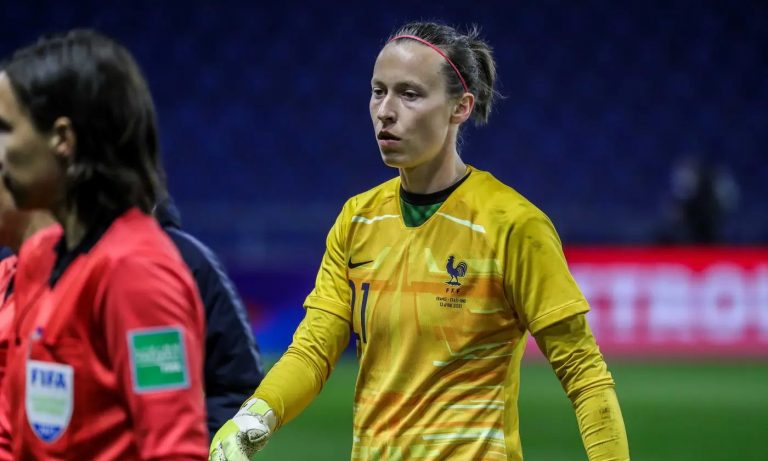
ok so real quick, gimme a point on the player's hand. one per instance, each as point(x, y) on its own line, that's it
point(240, 438)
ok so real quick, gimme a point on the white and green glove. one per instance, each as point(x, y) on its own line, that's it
point(240, 438)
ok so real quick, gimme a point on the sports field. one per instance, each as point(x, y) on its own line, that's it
point(673, 412)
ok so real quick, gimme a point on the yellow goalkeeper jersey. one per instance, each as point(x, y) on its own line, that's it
point(441, 313)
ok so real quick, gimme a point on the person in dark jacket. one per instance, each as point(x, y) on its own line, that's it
point(232, 366)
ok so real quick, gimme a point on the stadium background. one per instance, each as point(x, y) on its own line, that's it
point(265, 133)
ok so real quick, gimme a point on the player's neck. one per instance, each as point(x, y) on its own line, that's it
point(433, 176)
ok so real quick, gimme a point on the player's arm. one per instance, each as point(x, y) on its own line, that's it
point(300, 374)
point(289, 387)
point(320, 338)
point(153, 322)
point(571, 349)
point(302, 371)
point(548, 300)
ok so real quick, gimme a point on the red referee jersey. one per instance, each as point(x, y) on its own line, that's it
point(7, 270)
point(106, 359)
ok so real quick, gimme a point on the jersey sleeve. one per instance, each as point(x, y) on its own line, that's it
point(302, 371)
point(571, 349)
point(153, 323)
point(331, 292)
point(537, 279)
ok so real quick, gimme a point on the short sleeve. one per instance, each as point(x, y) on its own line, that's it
point(331, 292)
point(153, 322)
point(537, 278)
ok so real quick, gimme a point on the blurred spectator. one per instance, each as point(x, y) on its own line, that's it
point(702, 195)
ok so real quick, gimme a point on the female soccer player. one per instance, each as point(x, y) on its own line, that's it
point(105, 360)
point(440, 273)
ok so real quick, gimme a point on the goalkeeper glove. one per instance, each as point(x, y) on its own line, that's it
point(240, 438)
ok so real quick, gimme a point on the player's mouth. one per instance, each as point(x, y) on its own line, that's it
point(387, 139)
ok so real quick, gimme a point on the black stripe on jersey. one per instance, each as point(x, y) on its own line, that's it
point(434, 197)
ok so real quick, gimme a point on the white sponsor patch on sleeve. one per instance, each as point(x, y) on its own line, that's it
point(158, 359)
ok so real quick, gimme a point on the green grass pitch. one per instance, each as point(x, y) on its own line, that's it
point(673, 412)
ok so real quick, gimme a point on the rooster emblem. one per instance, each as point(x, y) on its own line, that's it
point(455, 271)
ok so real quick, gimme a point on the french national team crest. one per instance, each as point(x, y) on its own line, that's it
point(49, 398)
point(455, 271)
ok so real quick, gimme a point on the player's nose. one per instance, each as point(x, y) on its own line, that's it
point(386, 111)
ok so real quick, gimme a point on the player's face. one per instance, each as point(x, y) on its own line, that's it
point(30, 170)
point(410, 109)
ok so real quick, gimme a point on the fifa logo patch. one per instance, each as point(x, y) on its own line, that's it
point(455, 271)
point(49, 398)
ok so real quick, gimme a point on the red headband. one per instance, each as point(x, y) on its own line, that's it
point(421, 40)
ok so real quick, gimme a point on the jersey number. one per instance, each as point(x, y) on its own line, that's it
point(364, 287)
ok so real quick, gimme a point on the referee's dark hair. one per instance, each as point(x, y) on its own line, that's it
point(94, 82)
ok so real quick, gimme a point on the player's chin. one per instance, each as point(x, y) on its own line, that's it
point(394, 159)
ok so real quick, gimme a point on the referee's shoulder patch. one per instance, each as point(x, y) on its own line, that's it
point(158, 359)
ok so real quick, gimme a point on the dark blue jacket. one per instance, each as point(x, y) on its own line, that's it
point(233, 366)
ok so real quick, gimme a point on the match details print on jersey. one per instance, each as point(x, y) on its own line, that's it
point(441, 313)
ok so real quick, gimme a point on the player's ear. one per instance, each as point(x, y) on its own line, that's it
point(462, 109)
point(63, 139)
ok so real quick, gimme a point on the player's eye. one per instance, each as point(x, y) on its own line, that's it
point(410, 95)
point(377, 92)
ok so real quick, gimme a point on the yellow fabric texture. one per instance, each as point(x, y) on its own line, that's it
point(301, 372)
point(571, 349)
point(441, 313)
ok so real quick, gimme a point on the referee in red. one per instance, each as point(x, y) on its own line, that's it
point(105, 360)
